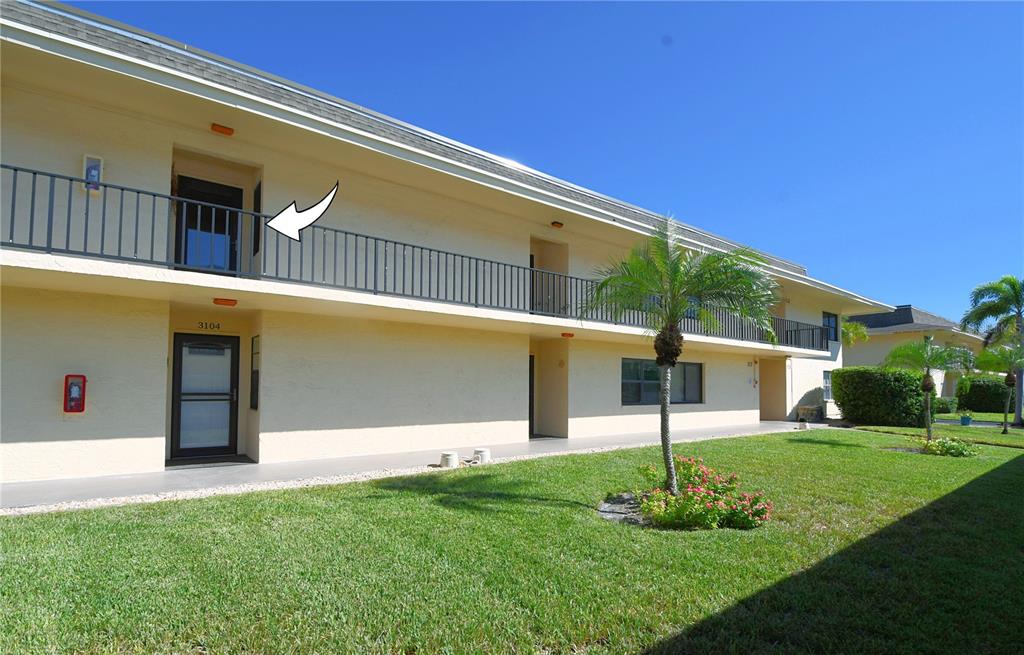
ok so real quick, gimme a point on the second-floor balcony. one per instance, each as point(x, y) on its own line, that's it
point(67, 215)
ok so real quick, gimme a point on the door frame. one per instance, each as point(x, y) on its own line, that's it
point(532, 391)
point(215, 193)
point(177, 452)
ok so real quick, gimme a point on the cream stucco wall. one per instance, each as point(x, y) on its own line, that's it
point(120, 345)
point(595, 392)
point(873, 351)
point(806, 377)
point(43, 129)
point(252, 434)
point(333, 387)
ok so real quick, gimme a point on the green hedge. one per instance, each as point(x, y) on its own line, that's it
point(982, 393)
point(945, 405)
point(877, 396)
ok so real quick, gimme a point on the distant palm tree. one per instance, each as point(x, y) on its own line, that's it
point(999, 308)
point(665, 283)
point(927, 356)
point(1008, 360)
point(853, 332)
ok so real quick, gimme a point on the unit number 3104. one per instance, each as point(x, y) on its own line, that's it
point(208, 325)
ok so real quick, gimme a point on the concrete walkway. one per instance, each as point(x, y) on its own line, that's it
point(217, 479)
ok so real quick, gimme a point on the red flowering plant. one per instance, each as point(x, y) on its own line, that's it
point(706, 499)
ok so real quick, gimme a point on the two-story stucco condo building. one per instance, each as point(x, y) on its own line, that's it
point(437, 304)
point(906, 323)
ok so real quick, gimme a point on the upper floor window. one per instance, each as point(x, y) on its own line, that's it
point(826, 384)
point(641, 382)
point(831, 323)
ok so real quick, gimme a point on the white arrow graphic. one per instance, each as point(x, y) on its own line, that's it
point(290, 220)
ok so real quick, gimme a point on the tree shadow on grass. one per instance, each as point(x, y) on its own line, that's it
point(947, 578)
point(824, 442)
point(483, 492)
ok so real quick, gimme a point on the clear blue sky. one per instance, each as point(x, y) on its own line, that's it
point(879, 144)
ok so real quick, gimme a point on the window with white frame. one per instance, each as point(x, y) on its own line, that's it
point(641, 381)
point(826, 384)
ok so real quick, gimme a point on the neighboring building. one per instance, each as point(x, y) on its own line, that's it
point(908, 323)
point(435, 305)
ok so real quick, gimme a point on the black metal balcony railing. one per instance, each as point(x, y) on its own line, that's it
point(62, 214)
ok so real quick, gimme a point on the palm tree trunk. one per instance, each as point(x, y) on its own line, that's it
point(1020, 397)
point(928, 414)
point(1006, 412)
point(671, 484)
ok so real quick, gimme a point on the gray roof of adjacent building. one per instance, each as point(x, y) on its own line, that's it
point(72, 23)
point(906, 318)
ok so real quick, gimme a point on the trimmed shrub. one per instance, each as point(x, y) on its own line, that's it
point(945, 405)
point(872, 395)
point(982, 393)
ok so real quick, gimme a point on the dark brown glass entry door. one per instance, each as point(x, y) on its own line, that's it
point(204, 416)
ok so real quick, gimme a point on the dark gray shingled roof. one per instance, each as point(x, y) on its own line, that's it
point(907, 315)
point(98, 31)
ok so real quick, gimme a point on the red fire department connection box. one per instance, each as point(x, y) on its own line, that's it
point(74, 393)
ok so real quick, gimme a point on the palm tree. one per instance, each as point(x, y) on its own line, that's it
point(666, 283)
point(1005, 359)
point(999, 307)
point(927, 356)
point(853, 332)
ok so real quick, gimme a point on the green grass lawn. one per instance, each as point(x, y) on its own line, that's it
point(872, 550)
point(996, 417)
point(991, 436)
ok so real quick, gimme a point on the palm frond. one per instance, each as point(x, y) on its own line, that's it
point(670, 283)
point(853, 332)
point(1002, 331)
point(733, 282)
point(1002, 359)
point(955, 358)
point(992, 301)
point(708, 320)
point(984, 311)
point(926, 355)
point(911, 355)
